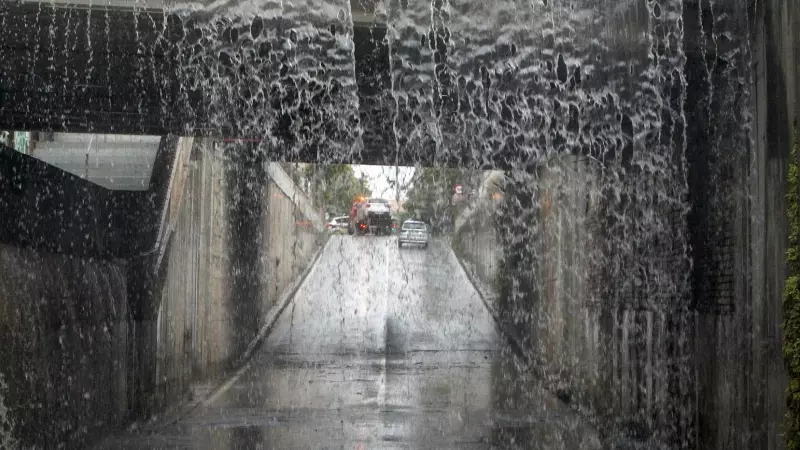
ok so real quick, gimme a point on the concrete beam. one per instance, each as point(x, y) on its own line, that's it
point(102, 4)
point(172, 75)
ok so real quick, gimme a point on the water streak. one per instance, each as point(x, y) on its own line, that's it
point(7, 440)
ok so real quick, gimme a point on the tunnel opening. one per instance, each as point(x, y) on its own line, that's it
point(596, 192)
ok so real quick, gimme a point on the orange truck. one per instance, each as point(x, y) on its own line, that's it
point(371, 215)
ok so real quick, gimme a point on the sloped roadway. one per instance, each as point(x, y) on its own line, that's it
point(382, 348)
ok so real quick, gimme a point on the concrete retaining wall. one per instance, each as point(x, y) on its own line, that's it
point(63, 346)
point(475, 237)
point(88, 343)
point(568, 334)
point(612, 355)
point(205, 321)
point(707, 369)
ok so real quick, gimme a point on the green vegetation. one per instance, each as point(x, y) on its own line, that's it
point(429, 196)
point(791, 303)
point(335, 186)
point(402, 217)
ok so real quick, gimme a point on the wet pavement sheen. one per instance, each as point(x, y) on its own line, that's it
point(382, 348)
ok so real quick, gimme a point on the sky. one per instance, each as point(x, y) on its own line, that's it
point(382, 179)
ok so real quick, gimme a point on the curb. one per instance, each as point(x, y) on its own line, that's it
point(243, 361)
point(285, 300)
point(515, 341)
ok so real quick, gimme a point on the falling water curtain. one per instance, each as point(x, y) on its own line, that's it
point(277, 73)
point(564, 90)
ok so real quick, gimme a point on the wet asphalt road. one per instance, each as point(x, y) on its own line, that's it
point(381, 349)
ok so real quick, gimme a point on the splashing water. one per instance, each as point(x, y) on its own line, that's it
point(7, 440)
point(262, 66)
point(583, 100)
point(586, 104)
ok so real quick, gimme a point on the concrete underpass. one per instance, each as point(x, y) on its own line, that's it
point(617, 280)
point(380, 348)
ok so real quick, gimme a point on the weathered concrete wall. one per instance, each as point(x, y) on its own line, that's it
point(776, 106)
point(205, 322)
point(604, 355)
point(738, 141)
point(712, 361)
point(568, 334)
point(610, 335)
point(195, 296)
point(89, 342)
point(292, 239)
point(63, 346)
point(58, 217)
point(475, 237)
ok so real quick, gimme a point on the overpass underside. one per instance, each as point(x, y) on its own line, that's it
point(416, 84)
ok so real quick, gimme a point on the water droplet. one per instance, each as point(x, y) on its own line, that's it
point(256, 27)
point(561, 71)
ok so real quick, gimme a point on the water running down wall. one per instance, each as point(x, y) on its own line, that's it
point(76, 351)
point(610, 350)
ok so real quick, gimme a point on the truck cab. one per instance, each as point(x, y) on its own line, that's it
point(371, 215)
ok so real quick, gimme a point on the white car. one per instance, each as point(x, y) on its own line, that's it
point(338, 224)
point(413, 232)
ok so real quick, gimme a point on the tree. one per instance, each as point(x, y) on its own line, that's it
point(335, 186)
point(429, 197)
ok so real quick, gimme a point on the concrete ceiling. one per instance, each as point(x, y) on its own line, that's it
point(116, 162)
